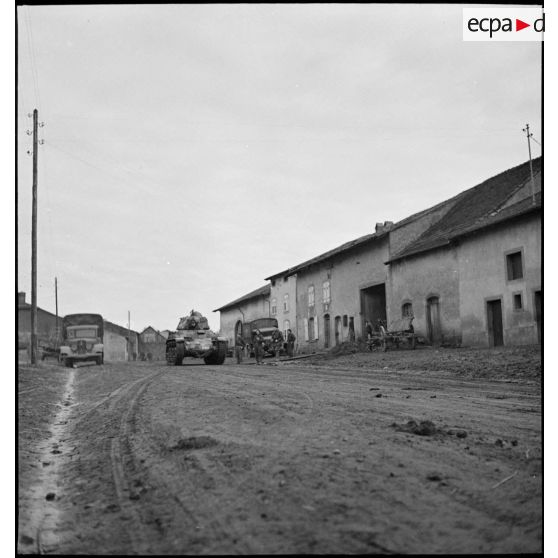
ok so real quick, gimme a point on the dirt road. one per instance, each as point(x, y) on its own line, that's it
point(351, 455)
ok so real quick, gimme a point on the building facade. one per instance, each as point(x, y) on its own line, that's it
point(254, 305)
point(474, 276)
point(151, 344)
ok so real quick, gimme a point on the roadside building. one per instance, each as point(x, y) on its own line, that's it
point(120, 344)
point(47, 331)
point(152, 345)
point(283, 302)
point(474, 277)
point(339, 290)
point(251, 306)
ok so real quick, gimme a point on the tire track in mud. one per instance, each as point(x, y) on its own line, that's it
point(235, 493)
point(127, 397)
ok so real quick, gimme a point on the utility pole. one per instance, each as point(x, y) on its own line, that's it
point(56, 303)
point(129, 337)
point(34, 345)
point(526, 130)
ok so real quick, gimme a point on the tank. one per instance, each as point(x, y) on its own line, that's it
point(193, 338)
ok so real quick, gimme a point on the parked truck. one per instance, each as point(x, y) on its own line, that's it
point(82, 336)
point(266, 326)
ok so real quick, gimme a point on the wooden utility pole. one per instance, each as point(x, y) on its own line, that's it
point(34, 344)
point(526, 130)
point(56, 304)
point(129, 337)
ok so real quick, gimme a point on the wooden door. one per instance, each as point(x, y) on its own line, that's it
point(495, 325)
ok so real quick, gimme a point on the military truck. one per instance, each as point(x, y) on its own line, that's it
point(82, 336)
point(193, 338)
point(266, 327)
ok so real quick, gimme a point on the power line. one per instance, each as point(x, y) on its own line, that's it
point(33, 61)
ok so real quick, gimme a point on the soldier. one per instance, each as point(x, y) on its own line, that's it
point(290, 343)
point(239, 348)
point(368, 329)
point(277, 339)
point(258, 346)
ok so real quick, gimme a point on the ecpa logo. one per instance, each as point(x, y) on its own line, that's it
point(503, 24)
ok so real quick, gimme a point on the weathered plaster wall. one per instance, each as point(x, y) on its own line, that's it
point(417, 278)
point(347, 273)
point(483, 272)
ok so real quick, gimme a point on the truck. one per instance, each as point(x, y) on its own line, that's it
point(82, 336)
point(193, 338)
point(266, 326)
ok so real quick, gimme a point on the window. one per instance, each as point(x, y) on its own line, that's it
point(311, 298)
point(273, 306)
point(517, 301)
point(286, 303)
point(406, 310)
point(514, 263)
point(326, 292)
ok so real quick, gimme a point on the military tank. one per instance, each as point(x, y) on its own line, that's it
point(193, 338)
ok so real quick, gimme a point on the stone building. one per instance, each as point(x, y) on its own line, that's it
point(120, 344)
point(152, 344)
point(283, 302)
point(251, 306)
point(48, 334)
point(474, 277)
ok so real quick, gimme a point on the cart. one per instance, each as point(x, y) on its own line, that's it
point(400, 332)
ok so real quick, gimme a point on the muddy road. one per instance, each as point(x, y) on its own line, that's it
point(348, 455)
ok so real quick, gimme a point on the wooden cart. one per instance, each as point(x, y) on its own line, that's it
point(400, 332)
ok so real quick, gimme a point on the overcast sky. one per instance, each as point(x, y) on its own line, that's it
point(190, 151)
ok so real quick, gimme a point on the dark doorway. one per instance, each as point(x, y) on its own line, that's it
point(373, 304)
point(495, 326)
point(237, 330)
point(337, 330)
point(433, 320)
point(327, 332)
point(538, 313)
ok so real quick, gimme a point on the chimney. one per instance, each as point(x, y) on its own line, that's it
point(379, 228)
point(388, 225)
point(20, 298)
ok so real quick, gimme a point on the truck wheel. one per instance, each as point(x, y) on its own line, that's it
point(100, 359)
point(68, 362)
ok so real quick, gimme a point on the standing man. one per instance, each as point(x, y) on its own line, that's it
point(239, 348)
point(290, 342)
point(258, 346)
point(368, 330)
point(277, 338)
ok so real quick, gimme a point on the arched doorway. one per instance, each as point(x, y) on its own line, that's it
point(238, 329)
point(327, 333)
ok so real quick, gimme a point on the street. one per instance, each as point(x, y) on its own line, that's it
point(359, 454)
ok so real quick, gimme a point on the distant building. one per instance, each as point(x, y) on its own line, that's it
point(152, 344)
point(120, 344)
point(47, 331)
point(251, 306)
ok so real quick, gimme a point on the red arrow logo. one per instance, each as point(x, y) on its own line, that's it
point(519, 25)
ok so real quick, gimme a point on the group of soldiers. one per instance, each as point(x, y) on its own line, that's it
point(258, 341)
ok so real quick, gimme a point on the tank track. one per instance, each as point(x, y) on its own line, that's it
point(171, 353)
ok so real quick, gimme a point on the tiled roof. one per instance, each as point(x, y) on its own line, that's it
point(363, 239)
point(477, 208)
point(329, 254)
point(262, 291)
